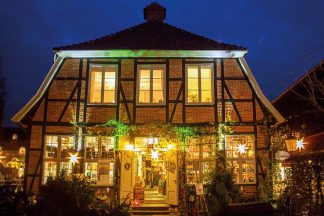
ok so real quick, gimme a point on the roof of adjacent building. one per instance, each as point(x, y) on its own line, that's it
point(9, 142)
point(153, 34)
point(315, 142)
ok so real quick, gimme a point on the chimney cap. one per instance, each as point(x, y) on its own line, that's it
point(154, 13)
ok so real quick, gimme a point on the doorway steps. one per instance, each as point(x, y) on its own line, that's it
point(151, 210)
point(152, 196)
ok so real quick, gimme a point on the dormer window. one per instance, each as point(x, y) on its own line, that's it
point(103, 82)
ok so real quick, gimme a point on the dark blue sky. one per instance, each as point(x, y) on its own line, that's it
point(284, 37)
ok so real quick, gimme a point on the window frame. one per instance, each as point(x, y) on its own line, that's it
point(99, 160)
point(103, 65)
point(200, 143)
point(59, 159)
point(239, 160)
point(151, 68)
point(199, 84)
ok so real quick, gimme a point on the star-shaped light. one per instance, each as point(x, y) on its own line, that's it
point(155, 155)
point(74, 157)
point(300, 144)
point(241, 148)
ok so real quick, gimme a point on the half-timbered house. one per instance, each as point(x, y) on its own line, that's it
point(150, 74)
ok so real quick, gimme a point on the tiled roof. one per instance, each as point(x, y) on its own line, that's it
point(151, 36)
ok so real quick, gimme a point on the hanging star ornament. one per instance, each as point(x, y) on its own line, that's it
point(241, 148)
point(300, 144)
point(74, 157)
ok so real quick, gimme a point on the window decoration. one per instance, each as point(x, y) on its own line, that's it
point(240, 154)
point(151, 84)
point(103, 80)
point(199, 83)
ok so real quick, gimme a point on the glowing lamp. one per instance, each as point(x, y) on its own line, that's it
point(74, 157)
point(300, 144)
point(129, 147)
point(155, 155)
point(170, 146)
point(241, 148)
point(290, 144)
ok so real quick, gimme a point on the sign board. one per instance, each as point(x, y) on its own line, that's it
point(199, 189)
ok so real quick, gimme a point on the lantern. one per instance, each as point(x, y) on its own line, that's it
point(290, 144)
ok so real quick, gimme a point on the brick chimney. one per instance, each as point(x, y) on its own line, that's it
point(154, 13)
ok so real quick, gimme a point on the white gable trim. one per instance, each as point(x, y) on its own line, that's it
point(152, 53)
point(260, 94)
point(49, 77)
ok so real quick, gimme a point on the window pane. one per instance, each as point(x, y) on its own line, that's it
point(66, 146)
point(67, 168)
point(107, 144)
point(248, 172)
point(49, 170)
point(192, 95)
point(110, 86)
point(205, 72)
point(91, 148)
point(193, 149)
point(193, 72)
point(51, 147)
point(158, 97)
point(109, 97)
point(192, 172)
point(144, 97)
point(157, 74)
point(95, 85)
point(144, 87)
point(206, 96)
point(157, 84)
point(91, 172)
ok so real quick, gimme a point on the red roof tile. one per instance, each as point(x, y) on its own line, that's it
point(151, 36)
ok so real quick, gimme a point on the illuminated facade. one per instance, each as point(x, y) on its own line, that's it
point(150, 73)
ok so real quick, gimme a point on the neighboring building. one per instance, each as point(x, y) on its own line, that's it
point(149, 73)
point(13, 142)
point(302, 104)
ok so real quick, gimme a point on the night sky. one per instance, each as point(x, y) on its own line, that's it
point(284, 38)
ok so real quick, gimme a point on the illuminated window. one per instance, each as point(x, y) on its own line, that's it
point(91, 171)
point(103, 84)
point(50, 170)
point(56, 156)
point(240, 155)
point(99, 148)
point(199, 83)
point(200, 158)
point(151, 84)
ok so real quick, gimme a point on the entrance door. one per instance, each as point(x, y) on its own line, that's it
point(172, 177)
point(127, 174)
